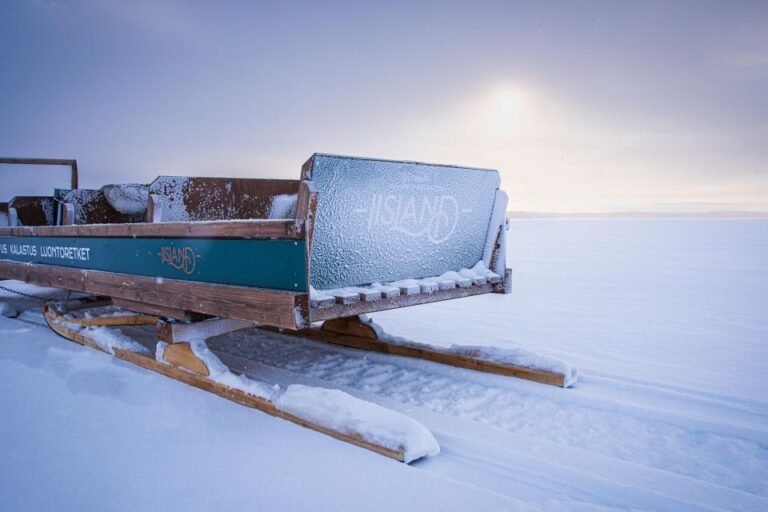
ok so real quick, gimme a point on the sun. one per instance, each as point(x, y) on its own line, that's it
point(508, 102)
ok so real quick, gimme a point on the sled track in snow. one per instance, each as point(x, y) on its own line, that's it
point(681, 441)
point(632, 444)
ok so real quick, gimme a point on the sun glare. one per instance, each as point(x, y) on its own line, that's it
point(508, 103)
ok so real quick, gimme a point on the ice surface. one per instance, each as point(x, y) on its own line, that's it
point(385, 221)
point(129, 198)
point(344, 413)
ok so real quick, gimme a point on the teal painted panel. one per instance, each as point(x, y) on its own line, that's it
point(276, 264)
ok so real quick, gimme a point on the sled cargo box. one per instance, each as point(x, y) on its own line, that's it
point(351, 236)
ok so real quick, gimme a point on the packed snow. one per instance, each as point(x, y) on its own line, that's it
point(463, 278)
point(283, 206)
point(7, 310)
point(665, 320)
point(332, 409)
point(111, 339)
point(219, 373)
point(128, 198)
point(511, 356)
point(344, 413)
point(171, 192)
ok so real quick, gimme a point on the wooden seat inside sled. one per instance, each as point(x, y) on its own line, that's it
point(351, 236)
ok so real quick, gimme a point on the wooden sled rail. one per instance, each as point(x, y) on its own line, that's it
point(353, 333)
point(185, 373)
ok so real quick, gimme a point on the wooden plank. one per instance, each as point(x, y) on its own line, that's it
point(260, 228)
point(258, 263)
point(182, 332)
point(351, 325)
point(306, 214)
point(235, 395)
point(389, 292)
point(153, 309)
point(37, 161)
point(181, 356)
point(368, 295)
point(446, 284)
point(322, 303)
point(410, 289)
point(342, 310)
point(464, 282)
point(88, 302)
point(435, 354)
point(113, 321)
point(267, 307)
point(506, 285)
point(428, 287)
point(344, 297)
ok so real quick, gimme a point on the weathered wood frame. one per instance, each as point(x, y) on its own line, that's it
point(277, 308)
point(46, 161)
point(268, 307)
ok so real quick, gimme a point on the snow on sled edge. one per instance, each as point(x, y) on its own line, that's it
point(329, 411)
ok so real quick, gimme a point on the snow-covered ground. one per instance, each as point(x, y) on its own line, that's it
point(666, 320)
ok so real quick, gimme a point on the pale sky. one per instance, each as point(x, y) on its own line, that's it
point(582, 106)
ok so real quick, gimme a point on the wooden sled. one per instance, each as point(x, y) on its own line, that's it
point(283, 254)
point(254, 249)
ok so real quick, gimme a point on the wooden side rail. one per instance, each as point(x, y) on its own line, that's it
point(201, 199)
point(276, 308)
point(279, 228)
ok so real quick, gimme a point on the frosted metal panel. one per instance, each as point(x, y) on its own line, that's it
point(381, 220)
